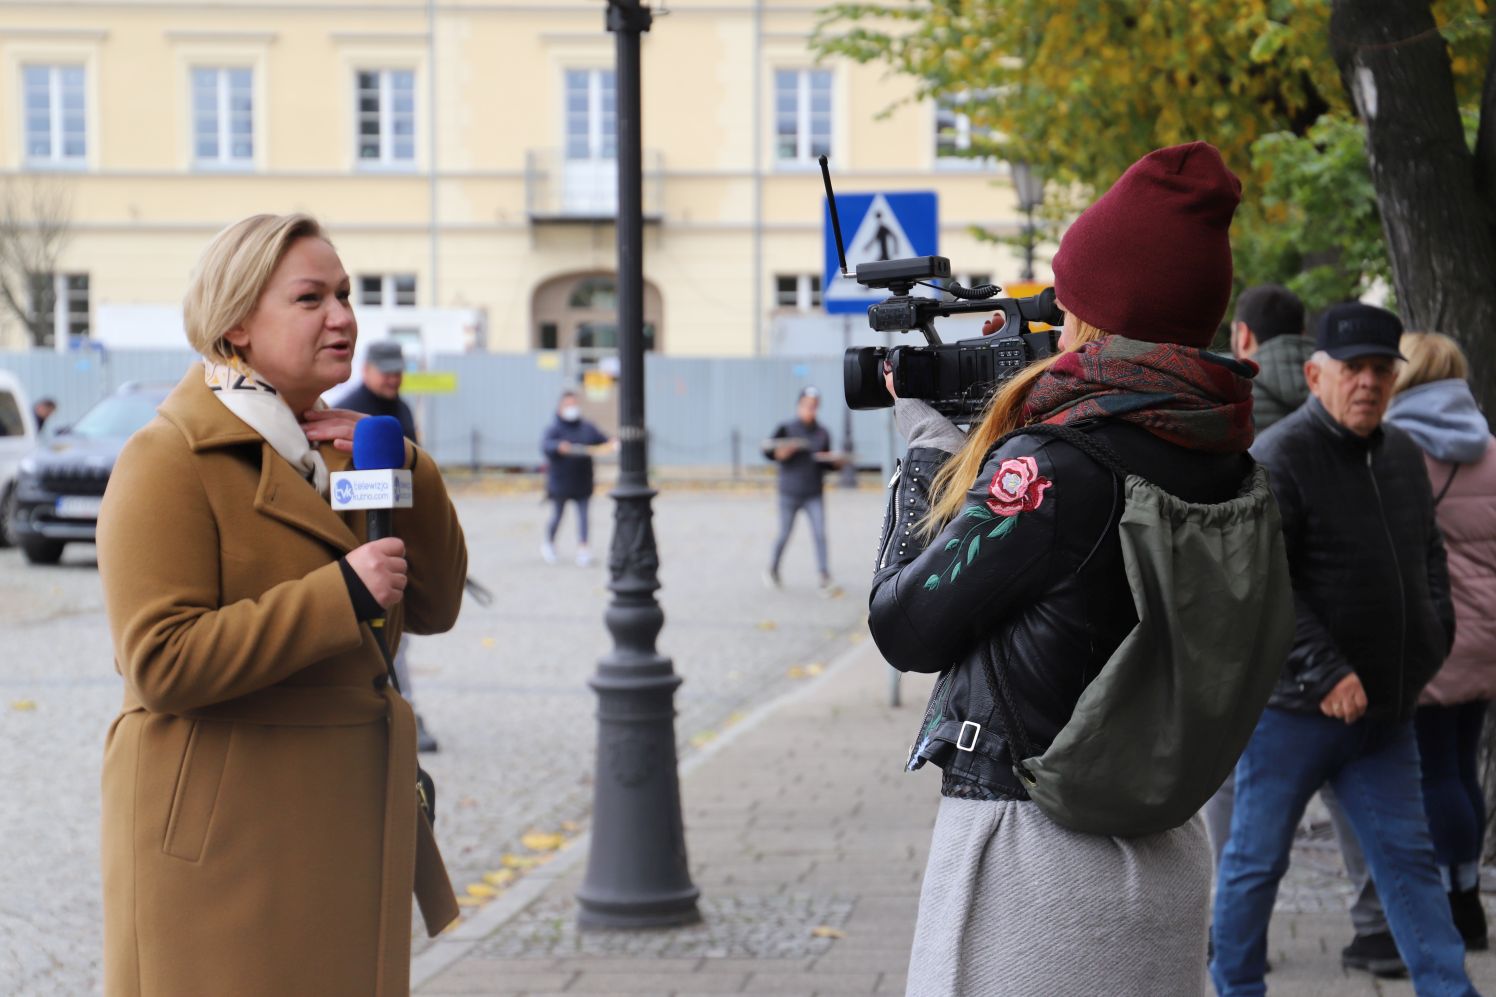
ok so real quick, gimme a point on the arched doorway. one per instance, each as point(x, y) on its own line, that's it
point(578, 313)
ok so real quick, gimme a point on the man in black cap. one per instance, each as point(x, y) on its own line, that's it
point(1374, 623)
point(384, 372)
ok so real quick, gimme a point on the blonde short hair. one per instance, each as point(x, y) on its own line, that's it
point(231, 276)
point(1432, 356)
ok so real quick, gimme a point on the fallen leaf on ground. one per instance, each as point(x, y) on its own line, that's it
point(538, 841)
point(796, 672)
point(499, 878)
point(570, 826)
point(23, 705)
point(482, 891)
point(814, 668)
point(489, 642)
point(512, 861)
point(826, 931)
point(702, 739)
point(767, 625)
point(469, 902)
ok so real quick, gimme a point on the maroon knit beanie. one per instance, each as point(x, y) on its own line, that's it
point(1151, 259)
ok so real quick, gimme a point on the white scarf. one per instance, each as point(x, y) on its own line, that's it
point(262, 408)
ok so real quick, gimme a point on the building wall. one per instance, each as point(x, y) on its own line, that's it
point(729, 217)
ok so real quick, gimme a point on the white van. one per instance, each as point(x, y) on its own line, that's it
point(17, 439)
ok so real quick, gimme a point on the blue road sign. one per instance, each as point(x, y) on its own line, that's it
point(880, 226)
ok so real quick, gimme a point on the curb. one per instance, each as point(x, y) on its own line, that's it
point(452, 946)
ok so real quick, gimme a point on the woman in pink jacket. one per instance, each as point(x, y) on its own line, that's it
point(1434, 405)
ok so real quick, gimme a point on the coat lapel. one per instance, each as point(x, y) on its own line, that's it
point(283, 494)
point(287, 496)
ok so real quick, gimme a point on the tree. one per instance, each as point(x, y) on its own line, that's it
point(1403, 65)
point(35, 225)
point(1082, 88)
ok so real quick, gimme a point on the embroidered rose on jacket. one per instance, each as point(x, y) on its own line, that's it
point(1017, 487)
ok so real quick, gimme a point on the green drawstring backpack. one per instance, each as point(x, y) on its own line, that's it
point(1161, 726)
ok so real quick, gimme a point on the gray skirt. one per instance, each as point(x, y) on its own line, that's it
point(1015, 905)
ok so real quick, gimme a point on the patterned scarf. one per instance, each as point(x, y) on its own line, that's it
point(261, 407)
point(1180, 394)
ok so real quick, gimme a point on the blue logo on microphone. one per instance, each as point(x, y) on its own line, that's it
point(344, 491)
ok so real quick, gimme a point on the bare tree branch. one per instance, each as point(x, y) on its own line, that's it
point(35, 225)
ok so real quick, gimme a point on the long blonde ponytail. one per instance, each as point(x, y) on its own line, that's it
point(1005, 414)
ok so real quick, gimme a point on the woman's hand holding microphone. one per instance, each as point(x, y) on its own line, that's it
point(381, 566)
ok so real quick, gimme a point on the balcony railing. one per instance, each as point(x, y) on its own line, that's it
point(561, 189)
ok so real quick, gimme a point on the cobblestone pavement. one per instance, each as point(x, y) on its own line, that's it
point(808, 844)
point(505, 692)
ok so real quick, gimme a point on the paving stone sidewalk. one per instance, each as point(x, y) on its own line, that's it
point(808, 844)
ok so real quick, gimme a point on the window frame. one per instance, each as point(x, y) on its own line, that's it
point(806, 151)
point(224, 115)
point(386, 116)
point(389, 290)
point(952, 103)
point(56, 157)
point(806, 289)
point(58, 284)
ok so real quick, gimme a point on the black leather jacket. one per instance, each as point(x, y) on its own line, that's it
point(1048, 597)
point(1371, 590)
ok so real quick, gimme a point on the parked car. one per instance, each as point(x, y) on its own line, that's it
point(61, 484)
point(17, 439)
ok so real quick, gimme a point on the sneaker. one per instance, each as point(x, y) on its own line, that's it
point(584, 557)
point(1470, 919)
point(771, 578)
point(828, 588)
point(548, 552)
point(425, 743)
point(1375, 954)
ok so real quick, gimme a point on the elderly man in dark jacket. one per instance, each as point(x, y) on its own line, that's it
point(1374, 624)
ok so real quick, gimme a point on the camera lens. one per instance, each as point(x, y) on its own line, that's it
point(862, 378)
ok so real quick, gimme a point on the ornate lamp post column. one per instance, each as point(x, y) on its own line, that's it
point(636, 870)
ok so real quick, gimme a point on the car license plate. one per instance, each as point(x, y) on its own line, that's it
point(78, 507)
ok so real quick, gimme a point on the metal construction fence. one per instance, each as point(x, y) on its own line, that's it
point(702, 412)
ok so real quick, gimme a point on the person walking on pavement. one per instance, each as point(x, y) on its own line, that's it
point(1014, 902)
point(1374, 624)
point(568, 446)
point(1268, 329)
point(802, 448)
point(1433, 404)
point(379, 394)
point(261, 831)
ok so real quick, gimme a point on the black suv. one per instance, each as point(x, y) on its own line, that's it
point(60, 486)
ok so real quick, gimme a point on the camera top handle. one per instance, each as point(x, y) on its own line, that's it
point(905, 312)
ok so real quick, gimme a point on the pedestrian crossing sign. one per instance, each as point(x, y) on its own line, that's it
point(877, 226)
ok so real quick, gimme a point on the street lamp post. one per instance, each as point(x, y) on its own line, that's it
point(1030, 188)
point(636, 869)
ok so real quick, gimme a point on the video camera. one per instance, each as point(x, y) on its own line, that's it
point(959, 378)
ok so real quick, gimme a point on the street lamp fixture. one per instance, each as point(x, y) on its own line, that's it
point(636, 867)
point(1029, 185)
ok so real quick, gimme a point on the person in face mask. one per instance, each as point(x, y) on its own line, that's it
point(568, 445)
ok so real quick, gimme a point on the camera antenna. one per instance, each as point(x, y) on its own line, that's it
point(841, 251)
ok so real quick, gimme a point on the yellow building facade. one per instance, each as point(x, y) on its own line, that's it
point(460, 153)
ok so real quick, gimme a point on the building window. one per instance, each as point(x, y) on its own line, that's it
point(54, 112)
point(223, 116)
point(801, 292)
point(386, 117)
point(954, 133)
point(68, 321)
point(390, 290)
point(802, 114)
point(591, 114)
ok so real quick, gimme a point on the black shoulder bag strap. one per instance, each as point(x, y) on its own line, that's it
point(997, 680)
point(425, 785)
point(1447, 482)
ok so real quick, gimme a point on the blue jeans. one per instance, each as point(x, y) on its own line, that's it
point(815, 511)
point(1373, 768)
point(558, 506)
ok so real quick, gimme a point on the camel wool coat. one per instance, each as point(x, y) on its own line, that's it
point(261, 835)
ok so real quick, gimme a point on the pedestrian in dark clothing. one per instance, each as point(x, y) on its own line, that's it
point(568, 445)
point(379, 394)
point(1435, 406)
point(1268, 329)
point(1375, 622)
point(42, 411)
point(802, 448)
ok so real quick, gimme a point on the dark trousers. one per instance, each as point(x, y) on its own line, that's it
point(815, 511)
point(558, 505)
point(1448, 738)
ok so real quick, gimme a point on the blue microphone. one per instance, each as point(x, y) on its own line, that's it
point(378, 445)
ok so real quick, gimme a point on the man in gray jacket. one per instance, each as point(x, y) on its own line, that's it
point(1268, 328)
